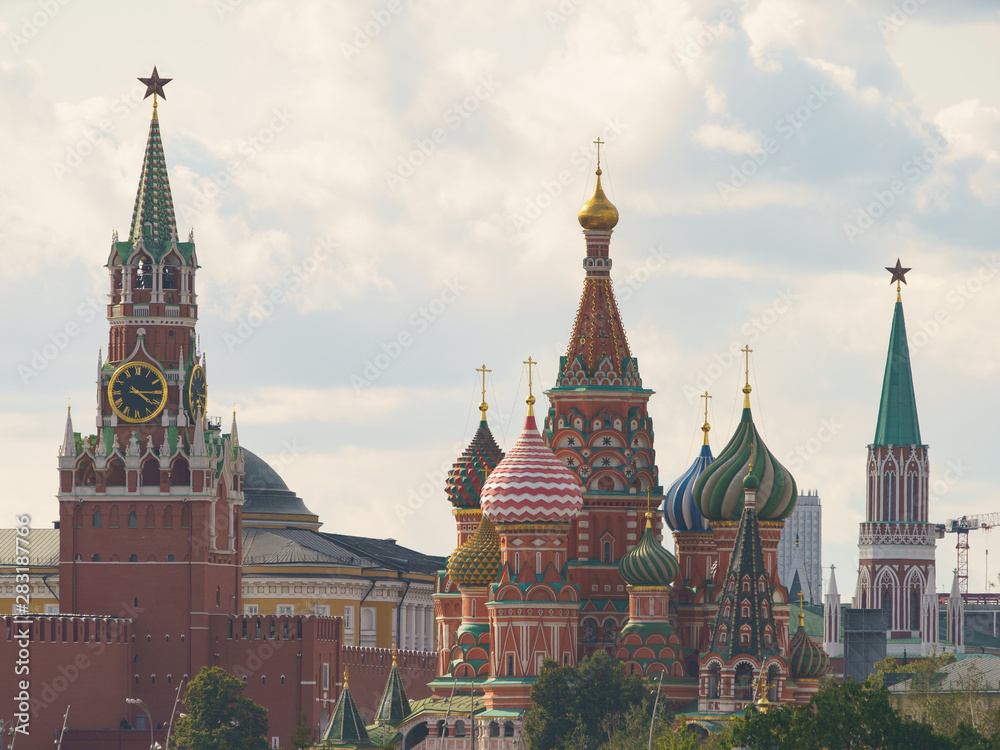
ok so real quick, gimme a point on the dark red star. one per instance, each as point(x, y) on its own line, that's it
point(154, 84)
point(898, 272)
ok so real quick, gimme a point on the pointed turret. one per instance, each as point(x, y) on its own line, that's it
point(897, 412)
point(346, 727)
point(234, 436)
point(956, 616)
point(68, 447)
point(153, 218)
point(394, 706)
point(831, 618)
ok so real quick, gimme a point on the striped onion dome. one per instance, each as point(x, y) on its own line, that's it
point(806, 660)
point(679, 507)
point(465, 480)
point(477, 562)
point(648, 563)
point(531, 485)
point(719, 489)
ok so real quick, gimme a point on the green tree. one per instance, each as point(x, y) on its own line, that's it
point(218, 716)
point(304, 735)
point(584, 706)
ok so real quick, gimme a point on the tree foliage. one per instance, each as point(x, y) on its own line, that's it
point(304, 735)
point(218, 716)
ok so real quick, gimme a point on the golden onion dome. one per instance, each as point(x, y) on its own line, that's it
point(598, 213)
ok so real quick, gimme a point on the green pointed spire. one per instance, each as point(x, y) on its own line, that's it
point(394, 706)
point(897, 411)
point(346, 728)
point(153, 215)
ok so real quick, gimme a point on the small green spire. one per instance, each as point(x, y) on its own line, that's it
point(346, 728)
point(153, 215)
point(394, 706)
point(897, 411)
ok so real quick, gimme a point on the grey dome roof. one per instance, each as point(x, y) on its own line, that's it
point(265, 492)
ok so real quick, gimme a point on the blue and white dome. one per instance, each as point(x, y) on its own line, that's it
point(679, 506)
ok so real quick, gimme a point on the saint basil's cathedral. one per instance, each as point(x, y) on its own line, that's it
point(558, 552)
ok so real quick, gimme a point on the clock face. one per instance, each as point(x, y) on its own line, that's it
point(197, 392)
point(137, 392)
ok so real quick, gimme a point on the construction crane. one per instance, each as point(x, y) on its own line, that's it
point(962, 526)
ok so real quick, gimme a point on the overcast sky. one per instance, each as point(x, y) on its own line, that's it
point(410, 172)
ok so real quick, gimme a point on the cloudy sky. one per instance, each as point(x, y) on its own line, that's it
point(411, 171)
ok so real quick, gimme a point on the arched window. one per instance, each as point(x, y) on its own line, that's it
point(714, 677)
point(115, 476)
point(85, 475)
point(168, 517)
point(133, 518)
point(151, 473)
point(538, 563)
point(610, 631)
point(459, 728)
point(133, 558)
point(170, 272)
point(889, 496)
point(95, 557)
point(590, 630)
point(113, 520)
point(150, 517)
point(95, 520)
point(185, 517)
point(911, 497)
point(144, 273)
point(606, 552)
point(180, 473)
point(508, 729)
point(494, 728)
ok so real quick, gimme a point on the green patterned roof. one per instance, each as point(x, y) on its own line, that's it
point(153, 215)
point(719, 490)
point(477, 562)
point(648, 563)
point(466, 478)
point(394, 706)
point(805, 659)
point(346, 728)
point(897, 412)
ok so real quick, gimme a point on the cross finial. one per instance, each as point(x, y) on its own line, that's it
point(706, 426)
point(750, 467)
point(802, 619)
point(482, 405)
point(599, 143)
point(747, 351)
point(531, 397)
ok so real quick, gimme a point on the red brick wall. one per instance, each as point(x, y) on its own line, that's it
point(369, 671)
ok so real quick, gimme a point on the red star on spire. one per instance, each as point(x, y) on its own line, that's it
point(898, 272)
point(154, 84)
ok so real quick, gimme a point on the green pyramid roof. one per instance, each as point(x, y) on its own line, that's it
point(153, 215)
point(346, 728)
point(394, 706)
point(897, 411)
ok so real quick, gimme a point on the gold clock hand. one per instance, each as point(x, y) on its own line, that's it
point(141, 395)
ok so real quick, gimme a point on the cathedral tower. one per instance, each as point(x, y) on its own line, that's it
point(896, 544)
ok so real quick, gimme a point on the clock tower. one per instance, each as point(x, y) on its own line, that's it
point(151, 501)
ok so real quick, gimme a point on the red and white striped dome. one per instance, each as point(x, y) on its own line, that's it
point(531, 485)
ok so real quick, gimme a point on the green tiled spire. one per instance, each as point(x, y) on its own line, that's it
point(346, 728)
point(153, 215)
point(897, 411)
point(394, 706)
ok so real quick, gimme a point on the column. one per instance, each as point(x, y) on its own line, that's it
point(411, 627)
point(401, 614)
point(430, 628)
point(421, 628)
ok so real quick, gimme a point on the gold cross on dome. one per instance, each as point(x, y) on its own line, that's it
point(599, 143)
point(706, 397)
point(747, 351)
point(482, 404)
point(531, 396)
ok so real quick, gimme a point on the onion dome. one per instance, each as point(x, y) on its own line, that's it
point(806, 660)
point(719, 489)
point(465, 480)
point(648, 563)
point(680, 510)
point(531, 485)
point(598, 213)
point(477, 562)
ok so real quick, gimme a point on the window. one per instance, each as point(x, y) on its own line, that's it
point(51, 609)
point(133, 558)
point(274, 743)
point(321, 610)
point(96, 520)
point(170, 558)
point(95, 557)
point(606, 552)
point(510, 665)
point(326, 676)
point(459, 728)
point(168, 517)
point(133, 519)
point(286, 609)
point(348, 618)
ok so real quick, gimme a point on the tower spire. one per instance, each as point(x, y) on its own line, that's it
point(897, 413)
point(68, 447)
point(153, 219)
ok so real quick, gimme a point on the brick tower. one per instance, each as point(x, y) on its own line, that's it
point(896, 545)
point(150, 503)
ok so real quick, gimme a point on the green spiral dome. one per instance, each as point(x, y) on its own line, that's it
point(648, 563)
point(719, 490)
point(806, 660)
point(477, 562)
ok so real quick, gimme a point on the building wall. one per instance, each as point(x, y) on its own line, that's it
point(806, 524)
